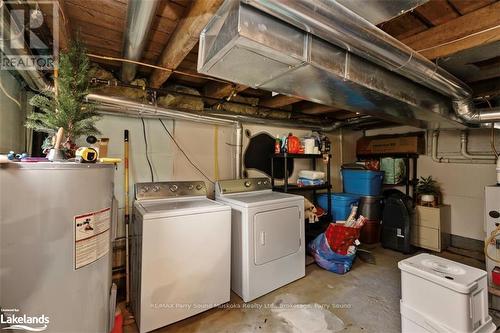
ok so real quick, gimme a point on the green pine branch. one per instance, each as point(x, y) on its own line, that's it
point(69, 109)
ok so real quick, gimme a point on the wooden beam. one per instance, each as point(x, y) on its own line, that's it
point(64, 27)
point(467, 6)
point(437, 12)
point(278, 101)
point(484, 88)
point(221, 90)
point(184, 38)
point(474, 29)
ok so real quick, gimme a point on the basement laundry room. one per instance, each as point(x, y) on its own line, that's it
point(291, 166)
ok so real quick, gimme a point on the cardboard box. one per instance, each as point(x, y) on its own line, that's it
point(413, 143)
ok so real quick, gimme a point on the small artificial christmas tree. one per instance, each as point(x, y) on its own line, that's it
point(66, 108)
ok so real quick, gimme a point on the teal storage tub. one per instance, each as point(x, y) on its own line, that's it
point(341, 204)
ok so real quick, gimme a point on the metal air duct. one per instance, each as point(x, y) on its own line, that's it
point(317, 50)
point(140, 15)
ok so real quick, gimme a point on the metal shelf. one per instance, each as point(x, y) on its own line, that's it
point(409, 157)
point(287, 155)
point(292, 187)
point(295, 188)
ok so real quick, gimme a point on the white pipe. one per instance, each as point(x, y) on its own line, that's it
point(435, 158)
point(239, 150)
point(454, 159)
point(463, 150)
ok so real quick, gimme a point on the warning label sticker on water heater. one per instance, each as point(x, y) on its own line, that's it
point(91, 237)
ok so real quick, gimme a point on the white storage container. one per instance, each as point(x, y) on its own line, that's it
point(311, 174)
point(440, 295)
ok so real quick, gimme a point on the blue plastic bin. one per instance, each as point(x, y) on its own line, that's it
point(362, 182)
point(341, 204)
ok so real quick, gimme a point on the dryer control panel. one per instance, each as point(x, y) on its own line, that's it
point(243, 185)
point(162, 190)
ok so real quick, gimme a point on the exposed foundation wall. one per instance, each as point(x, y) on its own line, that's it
point(462, 184)
point(168, 163)
point(198, 142)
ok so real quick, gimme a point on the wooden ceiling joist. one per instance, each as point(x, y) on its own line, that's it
point(64, 27)
point(485, 88)
point(476, 28)
point(279, 101)
point(184, 38)
point(437, 12)
point(467, 6)
point(221, 90)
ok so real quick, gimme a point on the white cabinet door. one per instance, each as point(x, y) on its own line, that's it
point(276, 234)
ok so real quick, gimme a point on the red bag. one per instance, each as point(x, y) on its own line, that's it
point(340, 237)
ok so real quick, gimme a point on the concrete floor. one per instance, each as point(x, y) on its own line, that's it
point(366, 299)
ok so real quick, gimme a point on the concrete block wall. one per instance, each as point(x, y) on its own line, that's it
point(198, 142)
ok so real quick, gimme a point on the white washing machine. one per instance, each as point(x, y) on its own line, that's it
point(267, 236)
point(180, 253)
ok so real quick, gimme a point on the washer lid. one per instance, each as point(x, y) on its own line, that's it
point(259, 198)
point(178, 206)
point(449, 274)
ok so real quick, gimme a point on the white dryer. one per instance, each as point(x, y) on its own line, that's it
point(180, 253)
point(267, 236)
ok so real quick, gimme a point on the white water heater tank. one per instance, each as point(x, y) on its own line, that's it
point(55, 247)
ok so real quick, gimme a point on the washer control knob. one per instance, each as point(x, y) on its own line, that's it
point(199, 187)
point(156, 188)
point(144, 189)
point(248, 183)
point(259, 182)
point(173, 188)
point(190, 187)
point(266, 182)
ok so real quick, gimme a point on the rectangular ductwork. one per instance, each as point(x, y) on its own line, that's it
point(245, 45)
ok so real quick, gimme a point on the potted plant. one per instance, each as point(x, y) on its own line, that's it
point(428, 190)
point(65, 106)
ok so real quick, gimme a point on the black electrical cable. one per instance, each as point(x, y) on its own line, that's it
point(182, 151)
point(146, 143)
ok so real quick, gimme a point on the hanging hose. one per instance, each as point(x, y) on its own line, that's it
point(8, 95)
point(488, 241)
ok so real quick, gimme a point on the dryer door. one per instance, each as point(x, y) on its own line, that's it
point(276, 234)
